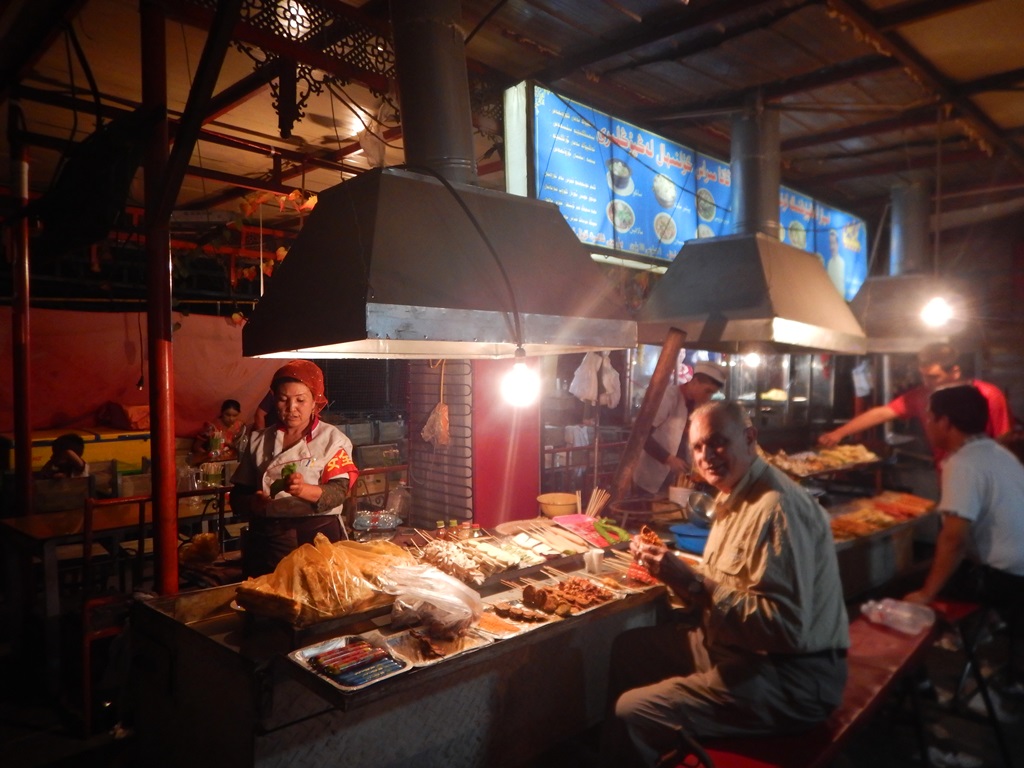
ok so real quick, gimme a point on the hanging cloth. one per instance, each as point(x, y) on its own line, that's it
point(585, 385)
point(610, 383)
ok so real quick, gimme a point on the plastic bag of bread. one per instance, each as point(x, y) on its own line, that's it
point(424, 594)
point(315, 582)
point(374, 558)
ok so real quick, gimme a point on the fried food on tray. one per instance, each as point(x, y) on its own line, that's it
point(825, 460)
point(321, 581)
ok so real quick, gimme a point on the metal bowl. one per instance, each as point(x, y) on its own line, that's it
point(700, 508)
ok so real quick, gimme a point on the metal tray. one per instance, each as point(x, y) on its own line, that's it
point(305, 658)
point(403, 645)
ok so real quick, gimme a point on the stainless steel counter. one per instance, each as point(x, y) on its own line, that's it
point(215, 688)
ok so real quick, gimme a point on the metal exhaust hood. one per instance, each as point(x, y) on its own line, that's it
point(388, 264)
point(738, 292)
point(750, 290)
point(889, 306)
point(394, 263)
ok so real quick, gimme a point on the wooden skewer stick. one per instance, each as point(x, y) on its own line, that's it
point(554, 572)
point(615, 565)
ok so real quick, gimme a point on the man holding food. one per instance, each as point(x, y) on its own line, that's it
point(769, 655)
point(666, 453)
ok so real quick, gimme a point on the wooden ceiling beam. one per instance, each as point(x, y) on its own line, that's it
point(1000, 81)
point(714, 37)
point(651, 29)
point(803, 83)
point(27, 30)
point(866, 22)
point(913, 11)
point(912, 118)
point(241, 91)
point(893, 167)
point(227, 195)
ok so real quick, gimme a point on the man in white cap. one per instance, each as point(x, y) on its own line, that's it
point(667, 452)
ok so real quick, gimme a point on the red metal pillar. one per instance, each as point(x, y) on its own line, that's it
point(158, 278)
point(21, 337)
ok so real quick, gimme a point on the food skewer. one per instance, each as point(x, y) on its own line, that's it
point(554, 572)
point(598, 498)
point(615, 565)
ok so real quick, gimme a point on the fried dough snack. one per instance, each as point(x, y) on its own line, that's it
point(316, 582)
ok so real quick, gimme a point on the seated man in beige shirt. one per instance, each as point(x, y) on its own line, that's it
point(769, 655)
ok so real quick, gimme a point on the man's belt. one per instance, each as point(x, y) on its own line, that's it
point(827, 653)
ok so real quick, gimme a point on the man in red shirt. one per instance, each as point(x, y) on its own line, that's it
point(938, 366)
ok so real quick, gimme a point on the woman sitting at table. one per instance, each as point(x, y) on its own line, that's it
point(293, 478)
point(220, 440)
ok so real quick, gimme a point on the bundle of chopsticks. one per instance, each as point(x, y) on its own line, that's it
point(597, 501)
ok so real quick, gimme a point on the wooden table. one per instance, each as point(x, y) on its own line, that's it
point(38, 536)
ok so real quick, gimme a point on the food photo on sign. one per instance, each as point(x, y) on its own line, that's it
point(796, 219)
point(713, 198)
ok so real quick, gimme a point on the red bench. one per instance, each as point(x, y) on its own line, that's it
point(878, 658)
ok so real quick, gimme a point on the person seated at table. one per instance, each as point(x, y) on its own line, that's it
point(219, 440)
point(66, 458)
point(293, 477)
point(769, 653)
point(979, 553)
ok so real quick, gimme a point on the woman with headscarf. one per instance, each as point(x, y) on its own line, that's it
point(293, 478)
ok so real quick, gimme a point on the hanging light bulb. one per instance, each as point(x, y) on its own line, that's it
point(937, 312)
point(752, 359)
point(521, 385)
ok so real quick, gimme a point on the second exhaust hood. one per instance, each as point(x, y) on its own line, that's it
point(749, 290)
point(389, 265)
point(737, 292)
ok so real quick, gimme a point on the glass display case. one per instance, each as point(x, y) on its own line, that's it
point(789, 396)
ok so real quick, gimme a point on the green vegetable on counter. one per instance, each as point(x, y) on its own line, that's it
point(282, 482)
point(610, 532)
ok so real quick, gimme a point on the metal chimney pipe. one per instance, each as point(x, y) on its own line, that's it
point(908, 238)
point(756, 171)
point(434, 87)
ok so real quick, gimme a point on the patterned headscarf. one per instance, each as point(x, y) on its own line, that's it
point(306, 372)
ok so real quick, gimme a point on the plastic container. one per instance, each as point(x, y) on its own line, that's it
point(909, 618)
point(399, 501)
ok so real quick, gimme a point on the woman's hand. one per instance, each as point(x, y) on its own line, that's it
point(300, 489)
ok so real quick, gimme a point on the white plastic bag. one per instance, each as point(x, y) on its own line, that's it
point(909, 618)
point(424, 594)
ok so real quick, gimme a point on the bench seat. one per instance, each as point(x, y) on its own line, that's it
point(878, 658)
